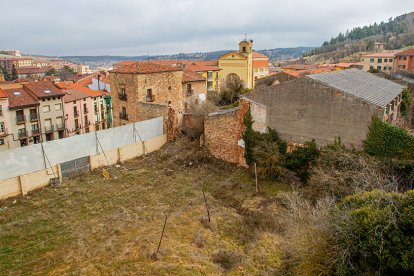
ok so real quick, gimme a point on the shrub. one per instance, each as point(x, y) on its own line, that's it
point(369, 233)
point(299, 160)
point(269, 159)
point(377, 234)
point(227, 259)
point(405, 104)
point(386, 140)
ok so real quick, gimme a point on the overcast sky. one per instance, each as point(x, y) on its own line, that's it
point(134, 27)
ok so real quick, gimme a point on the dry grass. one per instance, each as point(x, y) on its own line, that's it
point(91, 226)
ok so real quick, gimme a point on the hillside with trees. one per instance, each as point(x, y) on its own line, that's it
point(397, 33)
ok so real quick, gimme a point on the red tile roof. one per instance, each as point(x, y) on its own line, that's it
point(145, 67)
point(194, 65)
point(382, 55)
point(20, 98)
point(259, 55)
point(43, 89)
point(31, 70)
point(2, 94)
point(105, 80)
point(408, 52)
point(191, 76)
point(84, 80)
point(74, 95)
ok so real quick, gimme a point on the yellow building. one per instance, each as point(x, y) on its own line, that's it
point(244, 64)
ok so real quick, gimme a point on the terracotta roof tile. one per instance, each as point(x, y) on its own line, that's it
point(2, 94)
point(192, 76)
point(19, 97)
point(408, 52)
point(43, 89)
point(74, 95)
point(145, 67)
point(382, 55)
point(259, 55)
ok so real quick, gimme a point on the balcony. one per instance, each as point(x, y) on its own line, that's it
point(35, 132)
point(75, 114)
point(60, 126)
point(190, 92)
point(34, 117)
point(22, 134)
point(123, 116)
point(4, 133)
point(20, 119)
point(49, 129)
point(122, 96)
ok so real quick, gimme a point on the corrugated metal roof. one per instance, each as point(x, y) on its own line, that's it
point(373, 89)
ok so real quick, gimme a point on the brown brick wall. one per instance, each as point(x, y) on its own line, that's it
point(222, 133)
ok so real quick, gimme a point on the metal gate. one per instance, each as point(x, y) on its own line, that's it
point(75, 167)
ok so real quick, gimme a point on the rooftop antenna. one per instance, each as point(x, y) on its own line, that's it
point(245, 37)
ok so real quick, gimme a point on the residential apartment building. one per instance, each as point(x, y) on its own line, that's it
point(379, 61)
point(83, 70)
point(260, 66)
point(405, 60)
point(5, 124)
point(24, 62)
point(24, 121)
point(145, 83)
point(51, 109)
point(79, 113)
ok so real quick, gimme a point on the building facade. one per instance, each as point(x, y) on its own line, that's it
point(326, 106)
point(24, 120)
point(51, 109)
point(405, 60)
point(148, 83)
point(379, 61)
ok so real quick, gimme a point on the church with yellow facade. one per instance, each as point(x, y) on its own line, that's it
point(245, 64)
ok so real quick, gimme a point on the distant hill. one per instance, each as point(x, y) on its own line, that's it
point(273, 54)
point(397, 33)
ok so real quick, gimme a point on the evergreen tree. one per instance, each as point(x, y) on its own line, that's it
point(14, 76)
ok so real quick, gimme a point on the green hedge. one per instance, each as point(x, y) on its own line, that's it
point(386, 140)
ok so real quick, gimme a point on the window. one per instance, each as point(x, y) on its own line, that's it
point(59, 122)
point(244, 49)
point(150, 96)
point(58, 106)
point(372, 60)
point(1, 127)
point(76, 124)
point(385, 60)
point(85, 109)
point(123, 91)
point(46, 108)
point(405, 58)
point(1, 111)
point(1, 141)
point(380, 60)
point(403, 67)
point(124, 112)
point(210, 75)
point(379, 67)
point(75, 111)
point(390, 60)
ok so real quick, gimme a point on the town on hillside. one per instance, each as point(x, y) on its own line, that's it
point(258, 162)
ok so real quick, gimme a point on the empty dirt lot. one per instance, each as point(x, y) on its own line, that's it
point(92, 226)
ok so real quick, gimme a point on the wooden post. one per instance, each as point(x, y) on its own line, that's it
point(162, 235)
point(208, 211)
point(255, 173)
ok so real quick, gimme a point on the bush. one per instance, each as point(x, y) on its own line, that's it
point(386, 140)
point(269, 159)
point(340, 172)
point(377, 234)
point(299, 160)
point(227, 259)
point(369, 233)
point(405, 104)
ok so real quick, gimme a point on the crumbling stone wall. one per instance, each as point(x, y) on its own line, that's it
point(222, 133)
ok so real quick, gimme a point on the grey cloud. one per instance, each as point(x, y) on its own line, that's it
point(132, 27)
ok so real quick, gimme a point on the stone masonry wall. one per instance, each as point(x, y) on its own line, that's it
point(166, 89)
point(222, 131)
point(304, 109)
